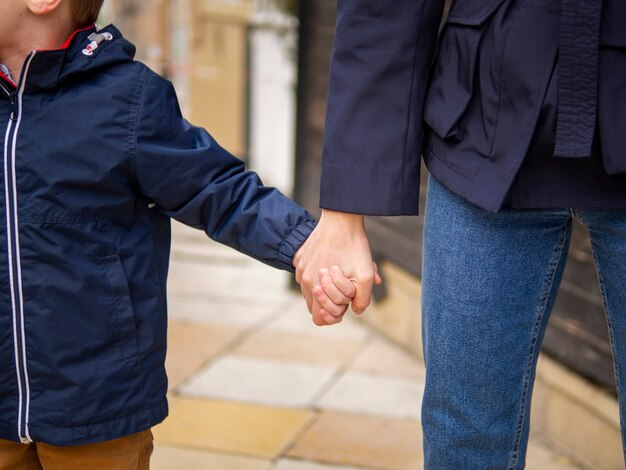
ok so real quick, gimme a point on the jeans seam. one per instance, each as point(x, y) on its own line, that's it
point(532, 352)
point(605, 303)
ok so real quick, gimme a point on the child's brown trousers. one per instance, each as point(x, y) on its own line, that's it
point(128, 453)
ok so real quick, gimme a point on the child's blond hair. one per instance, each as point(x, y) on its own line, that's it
point(85, 12)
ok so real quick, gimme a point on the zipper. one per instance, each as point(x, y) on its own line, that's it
point(11, 96)
point(6, 89)
point(13, 251)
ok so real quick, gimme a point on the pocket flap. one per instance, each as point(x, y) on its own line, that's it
point(613, 29)
point(472, 12)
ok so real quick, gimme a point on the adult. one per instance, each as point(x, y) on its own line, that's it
point(519, 109)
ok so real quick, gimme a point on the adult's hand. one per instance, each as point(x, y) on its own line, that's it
point(338, 240)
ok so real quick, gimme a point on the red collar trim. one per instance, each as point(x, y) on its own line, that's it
point(8, 80)
point(69, 40)
point(63, 47)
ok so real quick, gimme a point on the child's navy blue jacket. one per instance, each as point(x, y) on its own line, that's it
point(96, 160)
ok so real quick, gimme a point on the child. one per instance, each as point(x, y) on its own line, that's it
point(97, 159)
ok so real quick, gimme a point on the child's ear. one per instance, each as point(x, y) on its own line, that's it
point(43, 7)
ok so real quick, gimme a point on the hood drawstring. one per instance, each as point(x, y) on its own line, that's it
point(96, 39)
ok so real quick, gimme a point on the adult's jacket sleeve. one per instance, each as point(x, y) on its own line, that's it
point(193, 180)
point(378, 78)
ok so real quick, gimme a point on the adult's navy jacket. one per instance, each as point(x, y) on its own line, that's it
point(97, 159)
point(503, 77)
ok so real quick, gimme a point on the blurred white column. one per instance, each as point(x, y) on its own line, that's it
point(181, 15)
point(273, 69)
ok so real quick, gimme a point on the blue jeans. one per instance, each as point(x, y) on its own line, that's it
point(489, 284)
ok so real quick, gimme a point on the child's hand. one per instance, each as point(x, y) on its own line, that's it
point(335, 292)
point(340, 239)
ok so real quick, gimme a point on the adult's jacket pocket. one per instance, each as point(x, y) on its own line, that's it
point(453, 80)
point(612, 86)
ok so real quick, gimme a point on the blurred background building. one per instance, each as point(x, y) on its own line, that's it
point(233, 63)
point(255, 74)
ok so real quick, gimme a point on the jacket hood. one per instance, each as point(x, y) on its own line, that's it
point(49, 68)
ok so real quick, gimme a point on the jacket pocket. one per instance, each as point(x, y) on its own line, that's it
point(613, 29)
point(611, 90)
point(454, 74)
point(123, 314)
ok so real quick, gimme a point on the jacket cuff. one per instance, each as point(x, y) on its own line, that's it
point(292, 243)
point(369, 191)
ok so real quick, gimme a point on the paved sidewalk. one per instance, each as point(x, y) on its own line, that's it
point(254, 385)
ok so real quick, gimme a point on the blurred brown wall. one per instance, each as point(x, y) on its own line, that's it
point(218, 78)
point(202, 46)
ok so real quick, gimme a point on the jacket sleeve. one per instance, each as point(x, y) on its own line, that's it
point(193, 180)
point(378, 78)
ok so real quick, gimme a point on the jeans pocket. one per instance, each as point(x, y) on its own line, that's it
point(454, 74)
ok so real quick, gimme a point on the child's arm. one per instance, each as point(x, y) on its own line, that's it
point(190, 178)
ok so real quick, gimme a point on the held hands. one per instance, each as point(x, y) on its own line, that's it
point(338, 240)
point(335, 292)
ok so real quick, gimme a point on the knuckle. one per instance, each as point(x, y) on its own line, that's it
point(332, 312)
point(369, 278)
point(339, 310)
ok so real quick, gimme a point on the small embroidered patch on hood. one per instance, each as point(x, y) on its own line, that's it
point(96, 39)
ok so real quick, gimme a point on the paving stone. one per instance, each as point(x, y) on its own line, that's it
point(577, 415)
point(375, 395)
point(255, 283)
point(191, 345)
point(298, 348)
point(180, 364)
point(358, 440)
point(217, 294)
point(303, 465)
point(224, 310)
point(168, 458)
point(182, 232)
point(208, 339)
point(187, 239)
point(230, 427)
point(297, 319)
point(541, 457)
point(251, 380)
point(206, 250)
point(382, 357)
